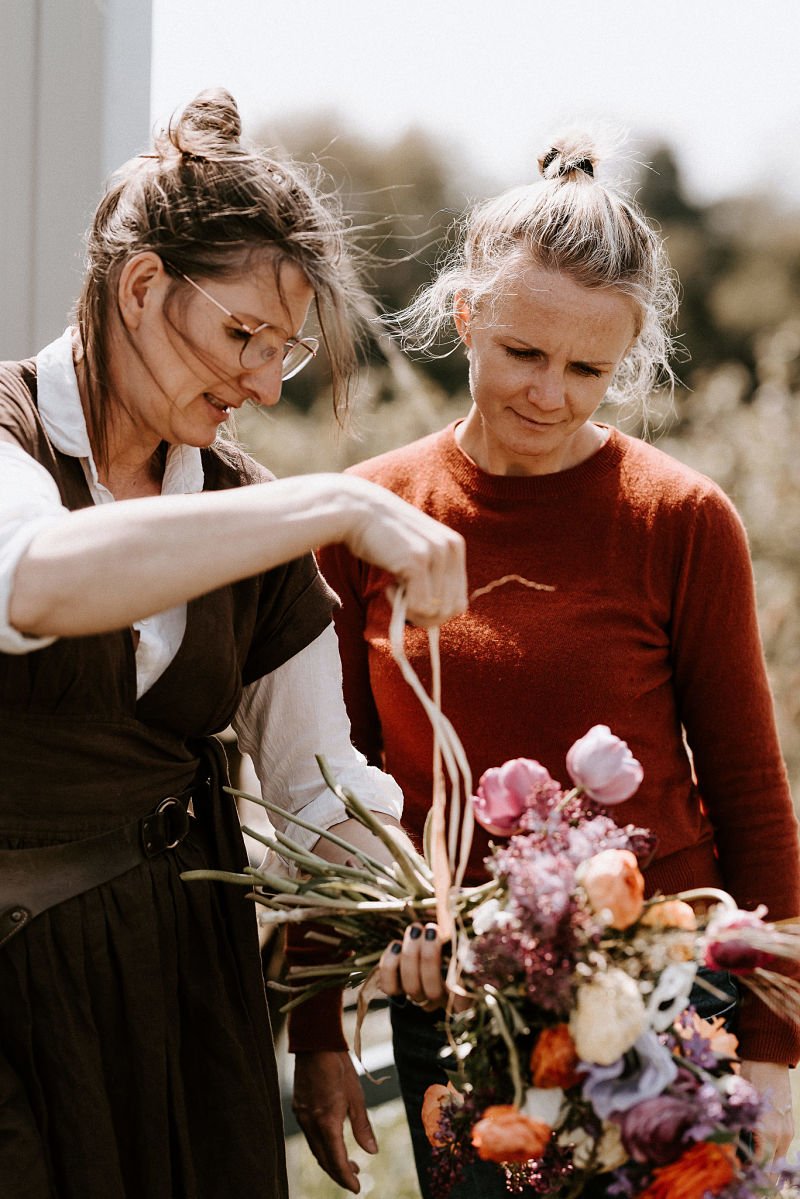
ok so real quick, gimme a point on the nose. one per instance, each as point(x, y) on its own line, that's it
point(546, 391)
point(263, 386)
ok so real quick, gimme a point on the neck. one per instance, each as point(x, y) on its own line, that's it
point(132, 463)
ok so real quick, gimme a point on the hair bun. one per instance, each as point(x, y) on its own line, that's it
point(569, 155)
point(210, 121)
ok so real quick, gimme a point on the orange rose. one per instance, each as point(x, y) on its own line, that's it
point(614, 886)
point(705, 1169)
point(503, 1134)
point(722, 1042)
point(435, 1098)
point(672, 913)
point(554, 1058)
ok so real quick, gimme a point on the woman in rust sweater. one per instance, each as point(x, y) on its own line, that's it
point(560, 294)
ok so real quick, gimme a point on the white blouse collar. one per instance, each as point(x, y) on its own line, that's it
point(62, 414)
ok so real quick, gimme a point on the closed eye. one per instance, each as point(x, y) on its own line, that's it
point(527, 355)
point(583, 368)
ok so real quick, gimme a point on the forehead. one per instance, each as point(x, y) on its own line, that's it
point(278, 293)
point(531, 304)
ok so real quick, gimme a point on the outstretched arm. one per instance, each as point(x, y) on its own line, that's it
point(103, 568)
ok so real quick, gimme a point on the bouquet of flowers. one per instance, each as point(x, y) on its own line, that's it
point(576, 1051)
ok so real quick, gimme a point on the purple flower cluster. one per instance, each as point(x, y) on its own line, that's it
point(541, 970)
point(540, 885)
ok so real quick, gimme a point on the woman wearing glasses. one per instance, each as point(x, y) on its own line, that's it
point(156, 585)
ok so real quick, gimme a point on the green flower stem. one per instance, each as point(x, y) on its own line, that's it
point(362, 855)
point(216, 876)
point(414, 871)
point(492, 1000)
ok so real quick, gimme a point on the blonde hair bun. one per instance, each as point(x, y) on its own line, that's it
point(570, 156)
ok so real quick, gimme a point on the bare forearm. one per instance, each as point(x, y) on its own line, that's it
point(105, 567)
point(354, 832)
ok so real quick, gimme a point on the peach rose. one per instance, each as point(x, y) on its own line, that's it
point(435, 1098)
point(672, 913)
point(504, 1134)
point(553, 1059)
point(705, 1169)
point(614, 886)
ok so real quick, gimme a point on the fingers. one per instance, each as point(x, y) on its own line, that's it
point(436, 588)
point(427, 557)
point(413, 967)
point(326, 1092)
point(359, 1120)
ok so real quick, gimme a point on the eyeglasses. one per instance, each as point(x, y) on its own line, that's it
point(259, 346)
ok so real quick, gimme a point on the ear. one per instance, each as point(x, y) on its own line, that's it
point(142, 283)
point(462, 314)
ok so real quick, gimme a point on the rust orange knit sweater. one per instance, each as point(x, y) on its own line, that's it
point(650, 628)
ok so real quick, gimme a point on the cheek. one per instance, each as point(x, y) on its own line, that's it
point(494, 378)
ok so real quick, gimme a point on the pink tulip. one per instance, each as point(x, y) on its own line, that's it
point(506, 791)
point(604, 766)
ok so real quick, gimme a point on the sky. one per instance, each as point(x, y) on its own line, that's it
point(717, 79)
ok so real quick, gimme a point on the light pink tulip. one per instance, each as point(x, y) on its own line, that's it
point(506, 791)
point(604, 766)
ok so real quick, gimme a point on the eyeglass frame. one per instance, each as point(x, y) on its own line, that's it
point(309, 343)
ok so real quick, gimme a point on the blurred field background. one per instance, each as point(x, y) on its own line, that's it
point(735, 414)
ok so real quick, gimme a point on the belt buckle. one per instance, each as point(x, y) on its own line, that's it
point(166, 827)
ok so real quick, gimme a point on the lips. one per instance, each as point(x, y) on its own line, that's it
point(539, 424)
point(215, 403)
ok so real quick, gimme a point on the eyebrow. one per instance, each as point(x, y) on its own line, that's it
point(256, 324)
point(538, 350)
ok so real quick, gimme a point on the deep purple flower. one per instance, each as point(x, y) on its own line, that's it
point(736, 956)
point(654, 1131)
point(544, 970)
point(643, 1072)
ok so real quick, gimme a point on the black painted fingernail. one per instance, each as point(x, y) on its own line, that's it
point(430, 934)
point(396, 947)
point(414, 932)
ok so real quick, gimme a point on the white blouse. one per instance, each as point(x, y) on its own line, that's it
point(284, 718)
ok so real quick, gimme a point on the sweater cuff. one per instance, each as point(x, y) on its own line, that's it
point(316, 1025)
point(764, 1036)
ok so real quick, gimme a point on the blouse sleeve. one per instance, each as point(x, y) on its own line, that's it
point(29, 503)
point(346, 575)
point(288, 717)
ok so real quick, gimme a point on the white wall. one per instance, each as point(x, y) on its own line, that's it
point(74, 104)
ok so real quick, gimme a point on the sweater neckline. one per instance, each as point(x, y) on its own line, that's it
point(475, 481)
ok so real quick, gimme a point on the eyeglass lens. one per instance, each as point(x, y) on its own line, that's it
point(258, 349)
